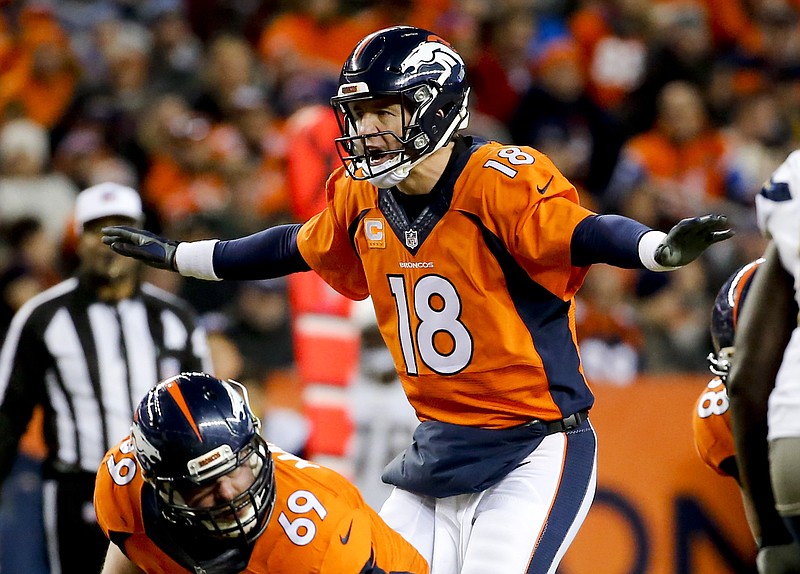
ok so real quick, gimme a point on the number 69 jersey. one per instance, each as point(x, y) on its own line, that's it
point(319, 525)
point(474, 297)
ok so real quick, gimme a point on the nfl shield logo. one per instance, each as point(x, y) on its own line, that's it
point(411, 238)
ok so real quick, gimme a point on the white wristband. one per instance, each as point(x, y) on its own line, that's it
point(647, 250)
point(196, 259)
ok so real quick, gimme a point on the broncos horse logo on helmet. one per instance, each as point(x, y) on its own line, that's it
point(426, 75)
point(436, 59)
point(725, 314)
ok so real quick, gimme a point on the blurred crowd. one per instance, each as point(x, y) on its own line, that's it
point(217, 111)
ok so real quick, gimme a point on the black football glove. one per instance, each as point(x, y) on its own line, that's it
point(690, 237)
point(140, 244)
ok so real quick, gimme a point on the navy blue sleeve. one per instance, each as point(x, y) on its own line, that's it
point(611, 239)
point(263, 255)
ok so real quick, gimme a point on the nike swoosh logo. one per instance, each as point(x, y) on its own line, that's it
point(346, 538)
point(542, 190)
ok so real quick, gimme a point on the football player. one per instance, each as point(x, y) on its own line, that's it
point(711, 421)
point(195, 488)
point(472, 252)
point(763, 383)
point(712, 424)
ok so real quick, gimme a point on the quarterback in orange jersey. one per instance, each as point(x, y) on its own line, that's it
point(711, 423)
point(472, 252)
point(196, 489)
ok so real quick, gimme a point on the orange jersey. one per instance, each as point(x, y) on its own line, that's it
point(320, 523)
point(474, 297)
point(711, 423)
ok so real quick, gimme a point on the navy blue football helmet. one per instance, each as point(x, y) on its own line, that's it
point(188, 431)
point(426, 75)
point(724, 315)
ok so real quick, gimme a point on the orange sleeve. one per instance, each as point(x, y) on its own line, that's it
point(351, 548)
point(711, 425)
point(544, 245)
point(364, 543)
point(534, 210)
point(326, 246)
point(113, 498)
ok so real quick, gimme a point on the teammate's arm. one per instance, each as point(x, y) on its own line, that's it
point(117, 563)
point(765, 326)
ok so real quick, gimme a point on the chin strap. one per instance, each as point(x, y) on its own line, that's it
point(392, 177)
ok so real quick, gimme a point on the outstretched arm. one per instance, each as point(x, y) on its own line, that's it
point(626, 243)
point(763, 331)
point(269, 253)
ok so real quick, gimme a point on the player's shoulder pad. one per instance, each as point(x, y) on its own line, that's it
point(117, 489)
point(341, 187)
point(350, 548)
point(784, 184)
point(508, 167)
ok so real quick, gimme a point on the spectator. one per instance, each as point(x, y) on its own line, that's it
point(674, 169)
point(679, 49)
point(28, 187)
point(182, 179)
point(503, 71)
point(40, 77)
point(558, 117)
point(259, 321)
point(177, 57)
point(231, 67)
point(612, 341)
point(32, 266)
point(612, 37)
point(87, 349)
point(673, 314)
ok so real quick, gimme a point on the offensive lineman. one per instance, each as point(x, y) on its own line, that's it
point(195, 488)
point(712, 425)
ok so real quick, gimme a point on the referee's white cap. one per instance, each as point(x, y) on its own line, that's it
point(107, 199)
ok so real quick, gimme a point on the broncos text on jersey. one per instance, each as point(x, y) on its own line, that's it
point(474, 297)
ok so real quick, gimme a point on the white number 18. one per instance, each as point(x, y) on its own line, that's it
point(433, 319)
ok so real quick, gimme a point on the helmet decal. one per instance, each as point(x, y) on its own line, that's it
point(434, 58)
point(145, 450)
point(175, 392)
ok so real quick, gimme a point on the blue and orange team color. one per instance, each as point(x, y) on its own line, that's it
point(320, 523)
point(711, 425)
point(474, 297)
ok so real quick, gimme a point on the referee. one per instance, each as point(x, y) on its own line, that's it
point(87, 350)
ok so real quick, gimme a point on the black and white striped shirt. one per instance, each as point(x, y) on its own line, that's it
point(88, 363)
